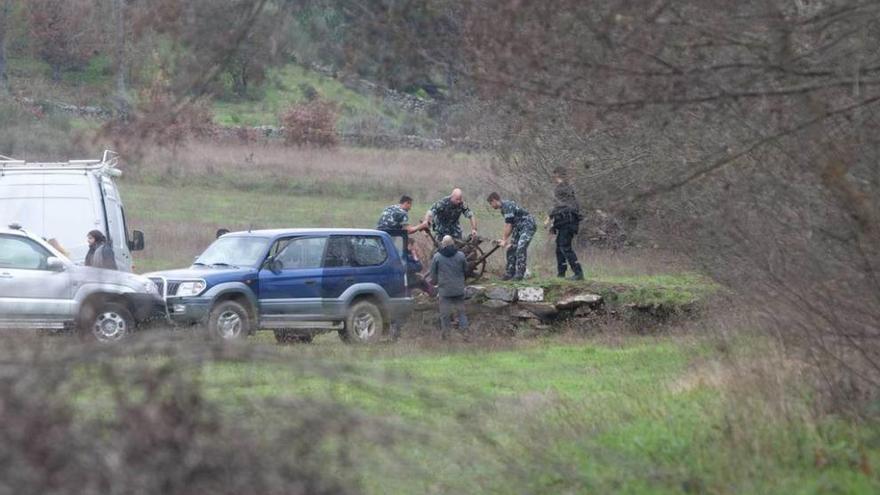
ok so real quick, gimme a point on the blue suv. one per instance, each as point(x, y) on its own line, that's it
point(296, 282)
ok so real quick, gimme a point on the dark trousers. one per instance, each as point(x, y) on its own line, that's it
point(564, 252)
point(449, 307)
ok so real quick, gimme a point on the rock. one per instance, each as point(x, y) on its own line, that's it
point(495, 304)
point(530, 294)
point(578, 300)
point(544, 311)
point(525, 315)
point(474, 291)
point(583, 311)
point(424, 302)
point(506, 294)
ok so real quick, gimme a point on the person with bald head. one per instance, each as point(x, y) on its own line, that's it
point(445, 216)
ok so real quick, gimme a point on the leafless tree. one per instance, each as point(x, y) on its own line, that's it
point(740, 133)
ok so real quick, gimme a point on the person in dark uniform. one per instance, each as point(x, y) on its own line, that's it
point(565, 218)
point(445, 215)
point(519, 229)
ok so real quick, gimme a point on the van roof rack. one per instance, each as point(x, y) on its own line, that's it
point(107, 164)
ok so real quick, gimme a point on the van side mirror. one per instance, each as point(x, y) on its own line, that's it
point(137, 241)
point(54, 264)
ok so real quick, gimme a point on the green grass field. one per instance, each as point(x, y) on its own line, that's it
point(562, 414)
point(639, 415)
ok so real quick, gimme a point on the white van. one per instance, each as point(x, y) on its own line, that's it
point(64, 201)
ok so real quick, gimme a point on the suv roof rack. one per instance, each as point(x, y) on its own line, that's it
point(106, 165)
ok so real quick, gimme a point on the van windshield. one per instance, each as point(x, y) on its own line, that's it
point(235, 251)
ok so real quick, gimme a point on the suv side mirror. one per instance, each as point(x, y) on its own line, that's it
point(54, 264)
point(137, 241)
point(273, 265)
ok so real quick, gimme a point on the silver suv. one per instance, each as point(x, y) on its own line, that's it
point(42, 289)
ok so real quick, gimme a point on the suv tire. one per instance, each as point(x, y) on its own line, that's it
point(106, 322)
point(229, 320)
point(284, 336)
point(364, 324)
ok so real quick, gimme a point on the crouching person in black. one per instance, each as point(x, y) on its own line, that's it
point(565, 218)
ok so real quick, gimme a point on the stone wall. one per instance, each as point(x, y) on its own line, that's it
point(514, 310)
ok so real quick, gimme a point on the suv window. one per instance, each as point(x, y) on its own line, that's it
point(368, 250)
point(354, 251)
point(302, 253)
point(17, 252)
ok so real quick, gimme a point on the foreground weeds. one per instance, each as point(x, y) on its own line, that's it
point(172, 414)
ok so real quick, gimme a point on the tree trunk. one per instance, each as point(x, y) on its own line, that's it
point(119, 51)
point(5, 10)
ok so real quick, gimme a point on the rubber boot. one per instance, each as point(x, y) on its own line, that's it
point(578, 273)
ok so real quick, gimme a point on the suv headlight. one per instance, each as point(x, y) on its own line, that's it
point(150, 287)
point(190, 288)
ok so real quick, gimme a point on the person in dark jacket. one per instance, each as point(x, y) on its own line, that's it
point(565, 217)
point(448, 270)
point(100, 253)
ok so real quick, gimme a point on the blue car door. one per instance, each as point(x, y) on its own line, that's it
point(293, 290)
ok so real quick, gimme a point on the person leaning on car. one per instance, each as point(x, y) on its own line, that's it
point(100, 253)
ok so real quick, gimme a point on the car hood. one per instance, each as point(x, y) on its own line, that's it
point(88, 274)
point(206, 273)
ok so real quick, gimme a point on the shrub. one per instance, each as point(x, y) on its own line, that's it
point(311, 124)
point(149, 427)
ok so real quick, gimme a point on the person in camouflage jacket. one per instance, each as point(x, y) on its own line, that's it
point(396, 217)
point(519, 230)
point(446, 214)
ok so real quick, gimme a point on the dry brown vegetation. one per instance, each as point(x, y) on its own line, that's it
point(356, 172)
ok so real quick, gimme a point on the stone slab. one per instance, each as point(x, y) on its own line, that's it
point(530, 294)
point(506, 294)
point(543, 311)
point(495, 304)
point(578, 300)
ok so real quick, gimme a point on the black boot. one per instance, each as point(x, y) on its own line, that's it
point(578, 273)
point(560, 274)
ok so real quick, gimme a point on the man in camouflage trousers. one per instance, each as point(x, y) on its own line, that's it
point(519, 229)
point(396, 217)
point(565, 217)
point(445, 215)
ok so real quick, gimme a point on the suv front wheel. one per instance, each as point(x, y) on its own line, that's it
point(229, 320)
point(364, 323)
point(106, 322)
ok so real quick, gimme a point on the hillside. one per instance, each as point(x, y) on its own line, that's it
point(363, 107)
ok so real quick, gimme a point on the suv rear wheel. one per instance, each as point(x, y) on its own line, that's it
point(229, 320)
point(364, 323)
point(106, 322)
